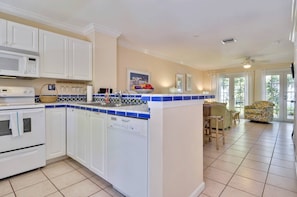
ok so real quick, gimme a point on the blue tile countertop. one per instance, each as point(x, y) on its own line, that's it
point(135, 111)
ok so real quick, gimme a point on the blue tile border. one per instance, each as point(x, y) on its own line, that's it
point(166, 98)
point(145, 98)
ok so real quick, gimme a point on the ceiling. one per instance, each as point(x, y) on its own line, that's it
point(184, 31)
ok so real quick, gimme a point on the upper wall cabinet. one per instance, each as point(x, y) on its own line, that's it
point(80, 59)
point(53, 49)
point(63, 57)
point(18, 36)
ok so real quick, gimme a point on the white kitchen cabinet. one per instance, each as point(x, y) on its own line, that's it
point(55, 132)
point(86, 139)
point(80, 59)
point(78, 135)
point(63, 57)
point(53, 55)
point(18, 36)
point(71, 132)
point(82, 138)
point(98, 143)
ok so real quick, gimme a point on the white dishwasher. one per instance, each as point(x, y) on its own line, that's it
point(127, 155)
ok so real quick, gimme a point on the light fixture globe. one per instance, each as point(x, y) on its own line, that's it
point(247, 66)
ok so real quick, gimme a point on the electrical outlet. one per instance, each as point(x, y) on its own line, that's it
point(51, 87)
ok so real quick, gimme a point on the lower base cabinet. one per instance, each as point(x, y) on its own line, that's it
point(55, 121)
point(98, 143)
point(86, 139)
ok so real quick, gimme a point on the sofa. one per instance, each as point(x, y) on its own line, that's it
point(260, 111)
point(220, 109)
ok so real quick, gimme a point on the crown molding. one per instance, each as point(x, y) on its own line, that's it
point(102, 29)
point(57, 24)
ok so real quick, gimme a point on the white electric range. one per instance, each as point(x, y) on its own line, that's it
point(22, 131)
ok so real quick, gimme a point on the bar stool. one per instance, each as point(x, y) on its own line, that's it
point(219, 134)
point(235, 116)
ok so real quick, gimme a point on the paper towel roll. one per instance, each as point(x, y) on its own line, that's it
point(89, 93)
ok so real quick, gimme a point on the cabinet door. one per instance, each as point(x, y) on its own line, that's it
point(22, 36)
point(80, 59)
point(53, 55)
point(55, 132)
point(82, 138)
point(71, 132)
point(98, 143)
point(3, 39)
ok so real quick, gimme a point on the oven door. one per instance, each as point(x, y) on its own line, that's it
point(32, 122)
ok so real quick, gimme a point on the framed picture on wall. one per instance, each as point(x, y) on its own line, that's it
point(136, 78)
point(179, 82)
point(188, 82)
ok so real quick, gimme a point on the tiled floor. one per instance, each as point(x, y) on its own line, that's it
point(257, 160)
point(62, 178)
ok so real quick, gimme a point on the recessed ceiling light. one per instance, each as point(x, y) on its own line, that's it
point(228, 41)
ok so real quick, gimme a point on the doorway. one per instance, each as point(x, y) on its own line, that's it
point(233, 91)
point(279, 89)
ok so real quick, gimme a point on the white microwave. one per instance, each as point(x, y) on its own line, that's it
point(18, 64)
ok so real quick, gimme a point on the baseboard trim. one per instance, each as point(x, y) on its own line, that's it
point(198, 190)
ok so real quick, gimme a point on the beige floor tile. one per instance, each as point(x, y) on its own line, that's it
point(259, 158)
point(217, 175)
point(100, 182)
point(67, 179)
point(236, 153)
point(203, 195)
point(87, 173)
point(101, 193)
point(285, 172)
point(282, 182)
point(56, 194)
point(27, 179)
point(57, 169)
point(232, 192)
point(224, 165)
point(5, 187)
point(207, 161)
point(283, 163)
point(231, 159)
point(272, 191)
point(9, 195)
point(213, 188)
point(73, 163)
point(247, 185)
point(41, 189)
point(252, 174)
point(284, 157)
point(255, 165)
point(212, 154)
point(84, 188)
point(113, 192)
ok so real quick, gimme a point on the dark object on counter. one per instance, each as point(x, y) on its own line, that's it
point(103, 90)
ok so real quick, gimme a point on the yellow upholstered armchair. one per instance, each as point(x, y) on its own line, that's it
point(261, 111)
point(220, 109)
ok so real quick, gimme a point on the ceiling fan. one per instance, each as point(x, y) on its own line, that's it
point(247, 63)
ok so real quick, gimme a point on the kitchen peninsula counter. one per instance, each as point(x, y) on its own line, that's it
point(176, 144)
point(175, 141)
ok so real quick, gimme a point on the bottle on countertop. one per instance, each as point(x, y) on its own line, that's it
point(107, 96)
